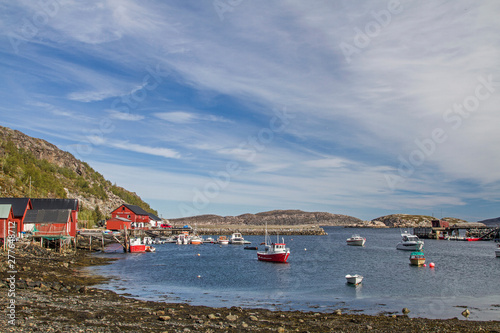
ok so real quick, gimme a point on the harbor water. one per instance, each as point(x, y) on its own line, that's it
point(465, 276)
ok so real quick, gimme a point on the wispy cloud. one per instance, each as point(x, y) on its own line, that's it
point(138, 148)
point(114, 114)
point(183, 117)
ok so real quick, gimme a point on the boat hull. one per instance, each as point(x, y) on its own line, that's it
point(354, 279)
point(137, 248)
point(357, 242)
point(273, 257)
point(497, 253)
point(410, 246)
point(417, 262)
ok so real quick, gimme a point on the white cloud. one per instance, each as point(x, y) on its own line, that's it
point(183, 117)
point(156, 151)
point(114, 114)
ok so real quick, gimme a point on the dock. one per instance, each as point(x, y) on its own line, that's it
point(472, 231)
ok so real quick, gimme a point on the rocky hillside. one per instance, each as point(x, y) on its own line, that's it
point(492, 222)
point(411, 221)
point(275, 217)
point(31, 167)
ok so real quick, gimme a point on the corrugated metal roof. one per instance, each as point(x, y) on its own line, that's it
point(47, 216)
point(136, 209)
point(55, 204)
point(5, 211)
point(18, 205)
point(154, 217)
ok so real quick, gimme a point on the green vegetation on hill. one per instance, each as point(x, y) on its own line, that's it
point(22, 174)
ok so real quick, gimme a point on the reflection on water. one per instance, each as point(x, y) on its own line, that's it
point(314, 278)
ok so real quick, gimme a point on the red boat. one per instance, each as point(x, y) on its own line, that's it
point(136, 245)
point(274, 252)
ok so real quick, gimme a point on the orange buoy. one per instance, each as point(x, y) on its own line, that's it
point(431, 265)
point(425, 265)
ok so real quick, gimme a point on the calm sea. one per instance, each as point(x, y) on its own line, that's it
point(465, 275)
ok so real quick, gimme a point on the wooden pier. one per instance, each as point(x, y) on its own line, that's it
point(473, 231)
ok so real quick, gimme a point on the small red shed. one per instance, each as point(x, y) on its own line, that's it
point(137, 216)
point(7, 224)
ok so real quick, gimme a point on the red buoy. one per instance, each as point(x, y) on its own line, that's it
point(431, 265)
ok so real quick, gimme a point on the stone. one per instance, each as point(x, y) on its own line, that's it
point(337, 312)
point(244, 325)
point(253, 318)
point(231, 317)
point(164, 318)
point(212, 316)
point(405, 311)
point(281, 330)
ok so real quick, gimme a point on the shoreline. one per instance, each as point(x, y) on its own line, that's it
point(53, 293)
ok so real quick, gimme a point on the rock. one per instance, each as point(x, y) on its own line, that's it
point(337, 312)
point(281, 330)
point(212, 316)
point(164, 318)
point(231, 317)
point(368, 327)
point(244, 325)
point(253, 318)
point(160, 313)
point(466, 313)
point(405, 311)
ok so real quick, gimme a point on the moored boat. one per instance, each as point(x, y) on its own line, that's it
point(237, 238)
point(410, 242)
point(222, 240)
point(354, 279)
point(274, 252)
point(196, 240)
point(356, 240)
point(497, 251)
point(417, 258)
point(150, 248)
point(136, 245)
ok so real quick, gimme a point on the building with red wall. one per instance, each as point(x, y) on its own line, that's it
point(130, 216)
point(19, 208)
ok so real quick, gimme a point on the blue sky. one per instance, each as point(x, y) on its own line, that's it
point(235, 106)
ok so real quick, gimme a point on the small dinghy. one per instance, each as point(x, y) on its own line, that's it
point(354, 279)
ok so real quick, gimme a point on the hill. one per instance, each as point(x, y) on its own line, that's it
point(491, 222)
point(275, 217)
point(32, 167)
point(411, 221)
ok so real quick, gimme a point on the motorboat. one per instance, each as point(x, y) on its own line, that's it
point(150, 248)
point(410, 242)
point(356, 240)
point(237, 238)
point(274, 252)
point(497, 251)
point(354, 279)
point(148, 240)
point(196, 240)
point(222, 240)
point(182, 239)
point(209, 240)
point(417, 258)
point(136, 245)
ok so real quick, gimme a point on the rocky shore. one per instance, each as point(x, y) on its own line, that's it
point(53, 294)
point(252, 230)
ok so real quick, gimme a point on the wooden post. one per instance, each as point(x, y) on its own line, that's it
point(126, 239)
point(4, 235)
point(90, 243)
point(102, 242)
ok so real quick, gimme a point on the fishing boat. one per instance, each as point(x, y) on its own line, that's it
point(417, 258)
point(222, 240)
point(274, 252)
point(237, 238)
point(497, 251)
point(354, 279)
point(196, 240)
point(136, 245)
point(410, 242)
point(356, 240)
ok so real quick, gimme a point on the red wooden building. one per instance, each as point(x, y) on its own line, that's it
point(19, 208)
point(63, 205)
point(6, 220)
point(130, 216)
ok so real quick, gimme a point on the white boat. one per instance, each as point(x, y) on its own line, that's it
point(209, 240)
point(236, 238)
point(222, 240)
point(410, 242)
point(354, 279)
point(497, 251)
point(356, 240)
point(182, 239)
point(196, 240)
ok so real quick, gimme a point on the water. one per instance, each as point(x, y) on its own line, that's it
point(465, 275)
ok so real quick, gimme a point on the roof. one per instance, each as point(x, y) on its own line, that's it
point(120, 219)
point(154, 217)
point(18, 205)
point(5, 211)
point(55, 204)
point(47, 216)
point(136, 209)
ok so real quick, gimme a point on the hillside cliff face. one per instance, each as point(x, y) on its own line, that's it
point(275, 217)
point(32, 167)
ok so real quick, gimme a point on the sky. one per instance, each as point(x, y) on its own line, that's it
point(235, 106)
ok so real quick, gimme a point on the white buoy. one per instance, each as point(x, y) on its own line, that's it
point(199, 276)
